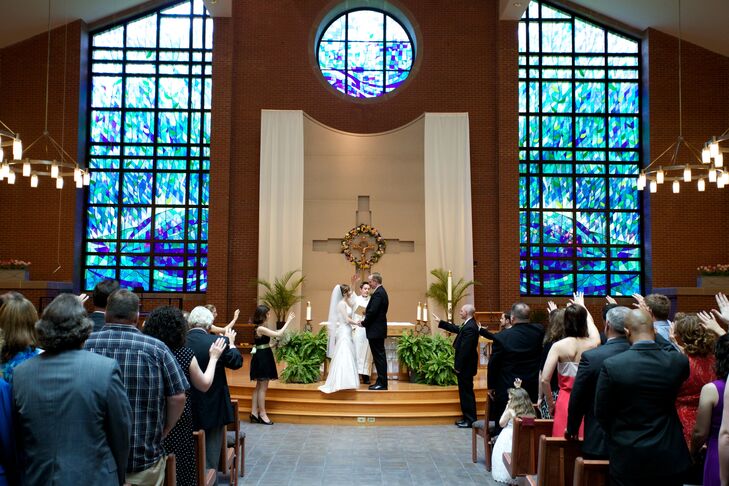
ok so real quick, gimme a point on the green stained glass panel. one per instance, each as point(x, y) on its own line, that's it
point(137, 188)
point(104, 187)
point(556, 193)
point(170, 188)
point(590, 228)
point(591, 193)
point(589, 97)
point(590, 131)
point(623, 193)
point(623, 98)
point(557, 131)
point(624, 228)
point(172, 127)
point(624, 132)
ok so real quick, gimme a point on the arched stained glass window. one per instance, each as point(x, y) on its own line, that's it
point(579, 156)
point(149, 151)
point(365, 53)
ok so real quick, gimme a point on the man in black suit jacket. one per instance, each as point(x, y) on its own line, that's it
point(211, 410)
point(634, 403)
point(582, 398)
point(466, 361)
point(515, 353)
point(100, 297)
point(375, 323)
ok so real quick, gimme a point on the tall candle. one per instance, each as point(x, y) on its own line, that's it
point(450, 286)
point(419, 313)
point(425, 312)
point(308, 310)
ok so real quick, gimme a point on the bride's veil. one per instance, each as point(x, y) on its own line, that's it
point(336, 299)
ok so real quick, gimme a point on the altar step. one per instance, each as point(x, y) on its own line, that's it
point(402, 404)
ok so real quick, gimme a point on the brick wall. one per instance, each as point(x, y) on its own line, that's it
point(264, 60)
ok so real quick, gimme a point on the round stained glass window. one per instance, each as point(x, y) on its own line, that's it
point(365, 53)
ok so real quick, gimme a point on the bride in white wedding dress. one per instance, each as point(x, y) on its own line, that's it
point(343, 368)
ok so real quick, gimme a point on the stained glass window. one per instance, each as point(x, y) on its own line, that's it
point(579, 156)
point(149, 151)
point(365, 53)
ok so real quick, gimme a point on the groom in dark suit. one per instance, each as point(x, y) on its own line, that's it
point(465, 361)
point(375, 322)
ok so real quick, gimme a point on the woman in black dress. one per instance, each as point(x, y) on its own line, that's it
point(169, 326)
point(263, 365)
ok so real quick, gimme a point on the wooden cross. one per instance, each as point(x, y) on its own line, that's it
point(363, 216)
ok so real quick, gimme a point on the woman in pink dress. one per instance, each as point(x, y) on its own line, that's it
point(564, 357)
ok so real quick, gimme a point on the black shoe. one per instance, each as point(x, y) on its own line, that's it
point(254, 419)
point(261, 421)
point(365, 379)
point(463, 424)
point(377, 386)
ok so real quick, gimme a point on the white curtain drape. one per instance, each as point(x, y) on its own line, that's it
point(448, 223)
point(281, 198)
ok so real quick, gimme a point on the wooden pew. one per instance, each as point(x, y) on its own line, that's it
point(557, 457)
point(591, 472)
point(205, 477)
point(525, 445)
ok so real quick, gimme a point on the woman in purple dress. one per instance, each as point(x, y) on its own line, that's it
point(708, 417)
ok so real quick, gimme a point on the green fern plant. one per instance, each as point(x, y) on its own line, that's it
point(428, 357)
point(438, 290)
point(281, 294)
point(303, 353)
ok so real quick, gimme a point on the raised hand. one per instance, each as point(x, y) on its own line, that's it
point(291, 317)
point(434, 316)
point(236, 314)
point(84, 297)
point(709, 322)
point(578, 298)
point(640, 303)
point(551, 307)
point(723, 303)
point(610, 300)
point(217, 348)
point(231, 334)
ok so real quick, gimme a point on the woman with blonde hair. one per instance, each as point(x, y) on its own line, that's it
point(519, 405)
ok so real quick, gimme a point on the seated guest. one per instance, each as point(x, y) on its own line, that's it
point(154, 381)
point(17, 323)
point(74, 417)
point(515, 354)
point(581, 335)
point(169, 326)
point(101, 294)
point(644, 435)
point(708, 418)
point(555, 332)
point(212, 410)
point(519, 405)
point(697, 343)
point(582, 398)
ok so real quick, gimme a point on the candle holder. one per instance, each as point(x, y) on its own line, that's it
point(450, 311)
point(307, 326)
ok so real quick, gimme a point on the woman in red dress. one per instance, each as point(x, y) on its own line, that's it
point(697, 344)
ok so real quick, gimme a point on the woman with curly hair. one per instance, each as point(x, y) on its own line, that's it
point(697, 343)
point(17, 323)
point(169, 326)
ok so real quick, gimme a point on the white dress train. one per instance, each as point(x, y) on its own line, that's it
point(343, 367)
point(503, 444)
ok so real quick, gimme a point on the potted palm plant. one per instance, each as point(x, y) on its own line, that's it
point(281, 294)
point(438, 290)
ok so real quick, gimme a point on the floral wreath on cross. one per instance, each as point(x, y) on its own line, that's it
point(363, 230)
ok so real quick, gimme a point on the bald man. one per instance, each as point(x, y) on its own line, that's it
point(466, 361)
point(634, 403)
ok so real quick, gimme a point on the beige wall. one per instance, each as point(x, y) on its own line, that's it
point(388, 168)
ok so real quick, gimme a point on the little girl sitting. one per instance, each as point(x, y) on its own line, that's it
point(519, 405)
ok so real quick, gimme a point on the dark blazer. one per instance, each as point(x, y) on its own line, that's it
point(516, 353)
point(375, 320)
point(635, 404)
point(73, 419)
point(99, 319)
point(213, 408)
point(466, 345)
point(582, 398)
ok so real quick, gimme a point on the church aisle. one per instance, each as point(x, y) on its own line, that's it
point(292, 454)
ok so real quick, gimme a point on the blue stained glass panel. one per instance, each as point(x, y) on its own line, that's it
point(332, 55)
point(592, 283)
point(395, 79)
point(623, 193)
point(170, 188)
point(134, 278)
point(625, 284)
point(105, 126)
point(102, 223)
point(139, 127)
point(590, 228)
point(136, 223)
point(135, 261)
point(556, 97)
point(366, 84)
point(168, 280)
point(624, 132)
point(556, 37)
point(104, 187)
point(399, 55)
point(624, 228)
point(590, 131)
point(363, 56)
point(169, 223)
point(365, 25)
point(557, 228)
point(557, 131)
point(173, 93)
point(93, 276)
point(589, 97)
point(137, 188)
point(559, 283)
point(100, 247)
point(101, 260)
point(172, 127)
point(335, 31)
point(591, 193)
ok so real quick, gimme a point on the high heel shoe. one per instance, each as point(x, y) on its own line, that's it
point(255, 420)
point(261, 421)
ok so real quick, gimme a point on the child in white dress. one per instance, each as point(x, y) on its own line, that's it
point(519, 405)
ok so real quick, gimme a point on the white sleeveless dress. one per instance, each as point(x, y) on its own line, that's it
point(503, 444)
point(343, 368)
